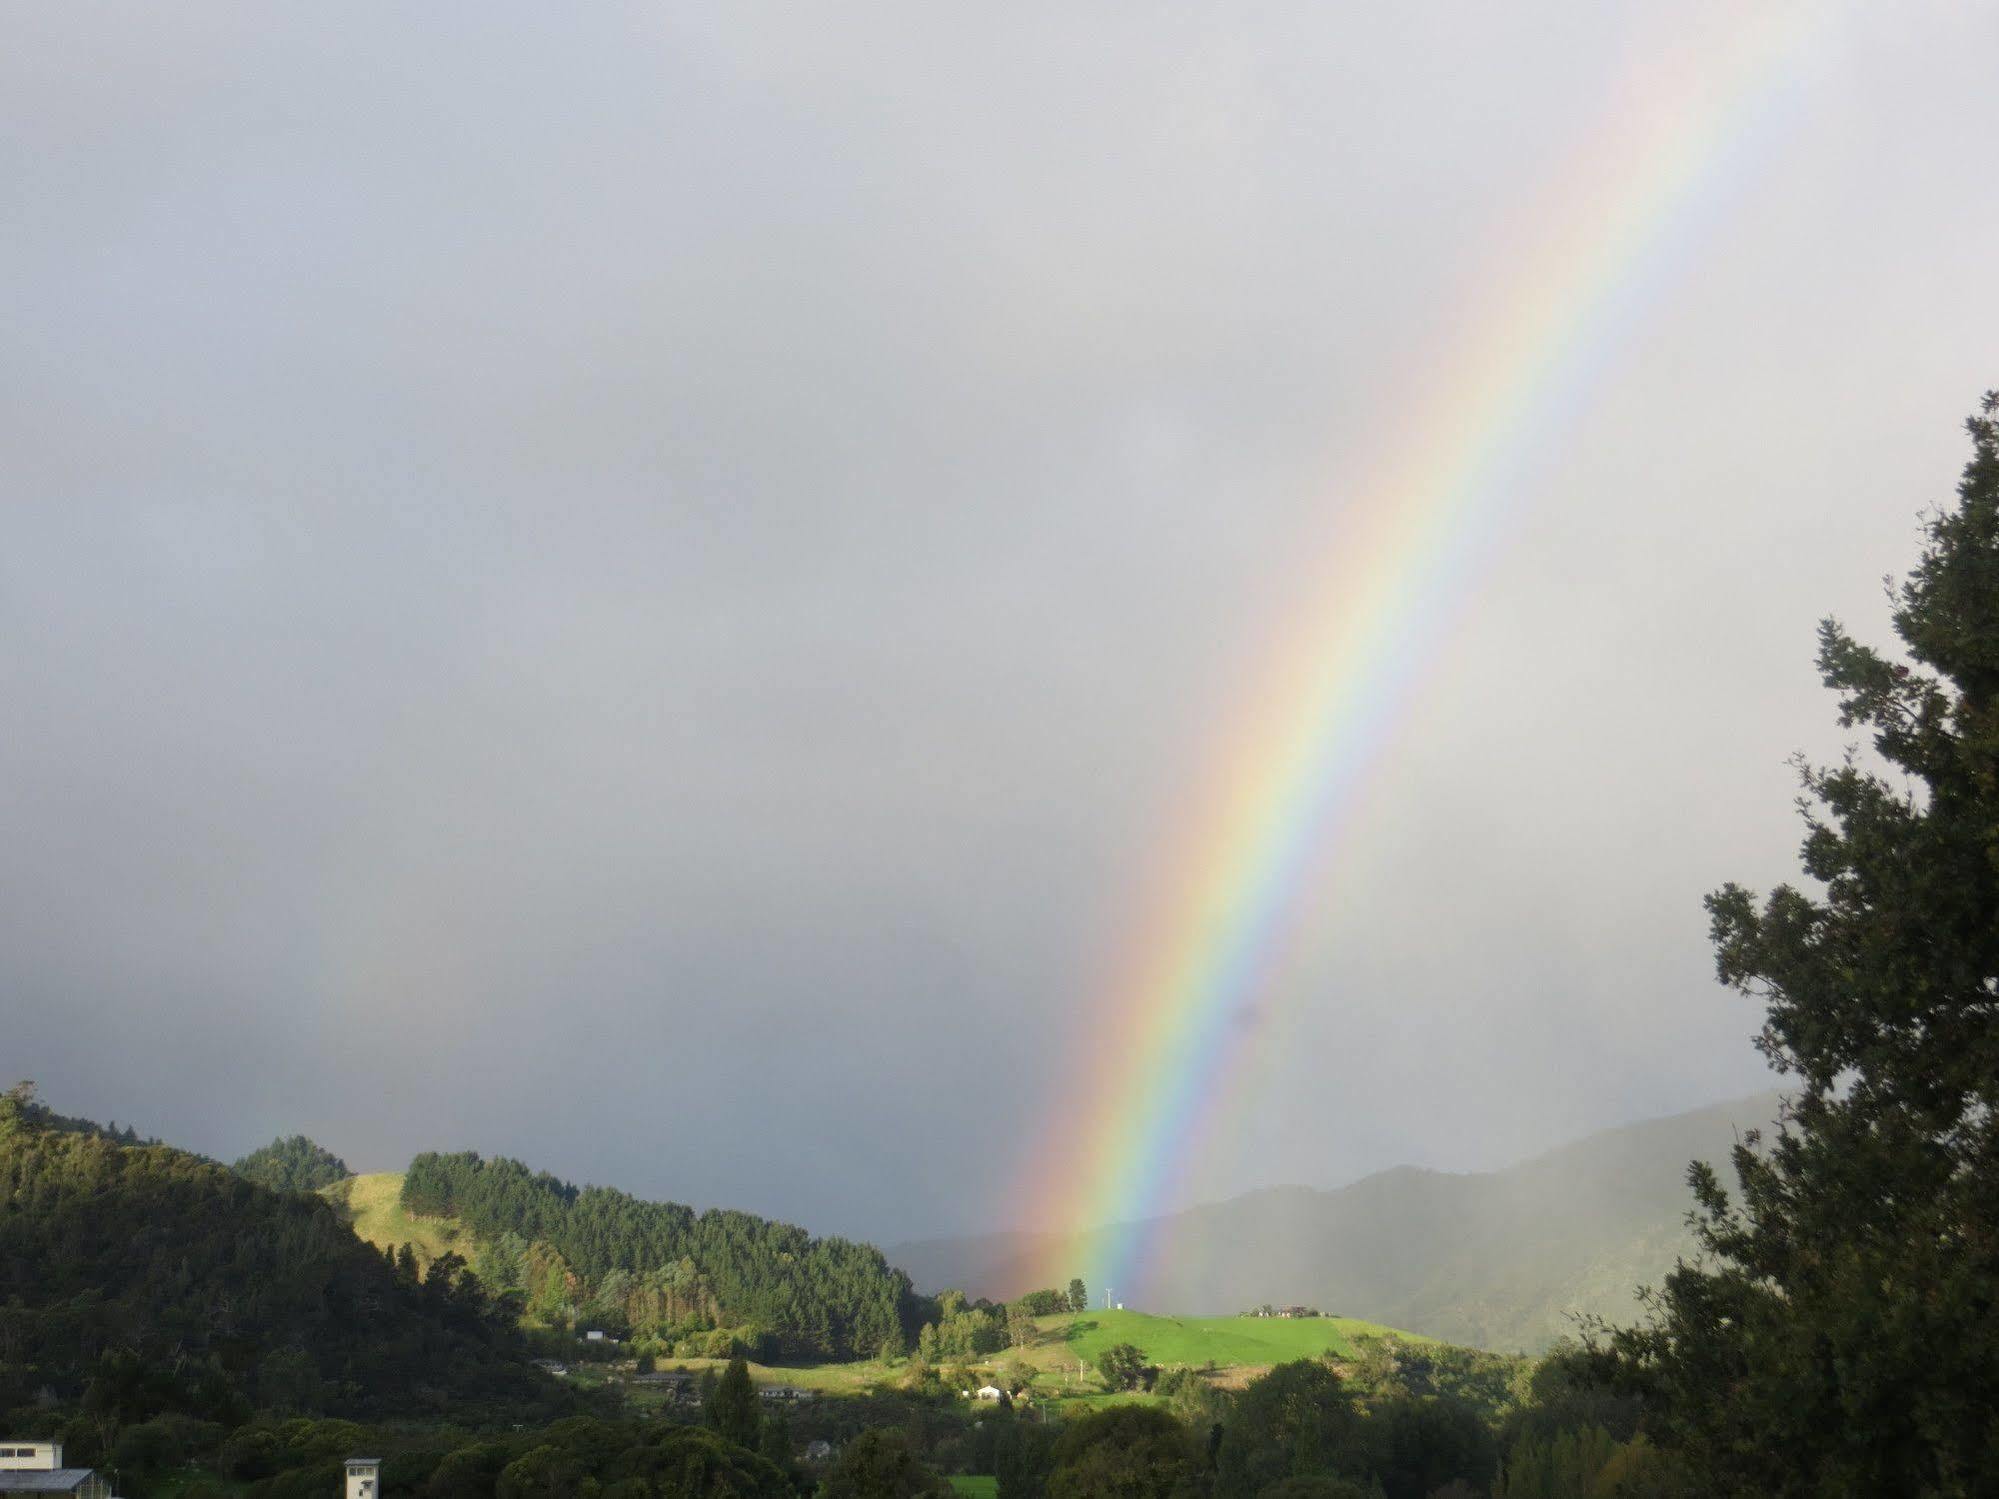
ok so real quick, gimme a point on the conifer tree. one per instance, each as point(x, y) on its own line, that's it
point(1841, 1334)
point(732, 1409)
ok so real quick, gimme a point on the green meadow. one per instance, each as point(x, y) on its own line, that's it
point(1065, 1351)
point(372, 1205)
point(1195, 1342)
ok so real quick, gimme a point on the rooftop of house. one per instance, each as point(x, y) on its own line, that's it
point(42, 1480)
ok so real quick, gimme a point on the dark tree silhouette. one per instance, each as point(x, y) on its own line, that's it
point(1842, 1334)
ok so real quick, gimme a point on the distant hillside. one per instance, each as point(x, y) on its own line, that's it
point(292, 1164)
point(165, 1282)
point(660, 1270)
point(1496, 1259)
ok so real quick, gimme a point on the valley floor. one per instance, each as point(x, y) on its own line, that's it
point(1233, 1349)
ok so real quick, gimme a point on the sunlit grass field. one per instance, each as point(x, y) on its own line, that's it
point(373, 1205)
point(1196, 1342)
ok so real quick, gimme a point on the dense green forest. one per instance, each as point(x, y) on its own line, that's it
point(138, 1279)
point(292, 1164)
point(659, 1270)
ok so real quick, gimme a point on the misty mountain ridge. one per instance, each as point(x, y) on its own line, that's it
point(1500, 1259)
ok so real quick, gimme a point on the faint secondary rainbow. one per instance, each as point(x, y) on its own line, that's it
point(1172, 1029)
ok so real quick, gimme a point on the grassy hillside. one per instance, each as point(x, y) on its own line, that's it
point(1226, 1342)
point(372, 1204)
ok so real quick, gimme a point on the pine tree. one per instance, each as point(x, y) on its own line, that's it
point(732, 1409)
point(1842, 1334)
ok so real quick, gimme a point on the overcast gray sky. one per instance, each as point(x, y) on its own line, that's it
point(643, 586)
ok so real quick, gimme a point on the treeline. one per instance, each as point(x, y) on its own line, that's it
point(1400, 1422)
point(578, 1457)
point(732, 1449)
point(292, 1164)
point(680, 1281)
point(28, 1105)
point(139, 1279)
point(958, 1328)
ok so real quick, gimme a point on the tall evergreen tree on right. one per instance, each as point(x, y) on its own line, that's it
point(1839, 1333)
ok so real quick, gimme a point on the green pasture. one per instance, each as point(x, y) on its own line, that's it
point(1195, 1342)
point(372, 1204)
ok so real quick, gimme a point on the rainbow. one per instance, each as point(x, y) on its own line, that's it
point(1172, 1031)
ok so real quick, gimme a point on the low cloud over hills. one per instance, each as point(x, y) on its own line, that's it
point(1501, 1259)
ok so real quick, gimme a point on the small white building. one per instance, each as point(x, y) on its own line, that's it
point(29, 1467)
point(988, 1392)
point(364, 1478)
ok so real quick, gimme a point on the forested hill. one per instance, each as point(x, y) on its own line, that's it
point(141, 1279)
point(662, 1271)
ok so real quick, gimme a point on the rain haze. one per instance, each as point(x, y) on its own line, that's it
point(649, 587)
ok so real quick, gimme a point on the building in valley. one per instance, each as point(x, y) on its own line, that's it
point(29, 1467)
point(364, 1478)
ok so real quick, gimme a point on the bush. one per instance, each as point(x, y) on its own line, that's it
point(1122, 1366)
point(1136, 1451)
point(251, 1452)
point(880, 1465)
